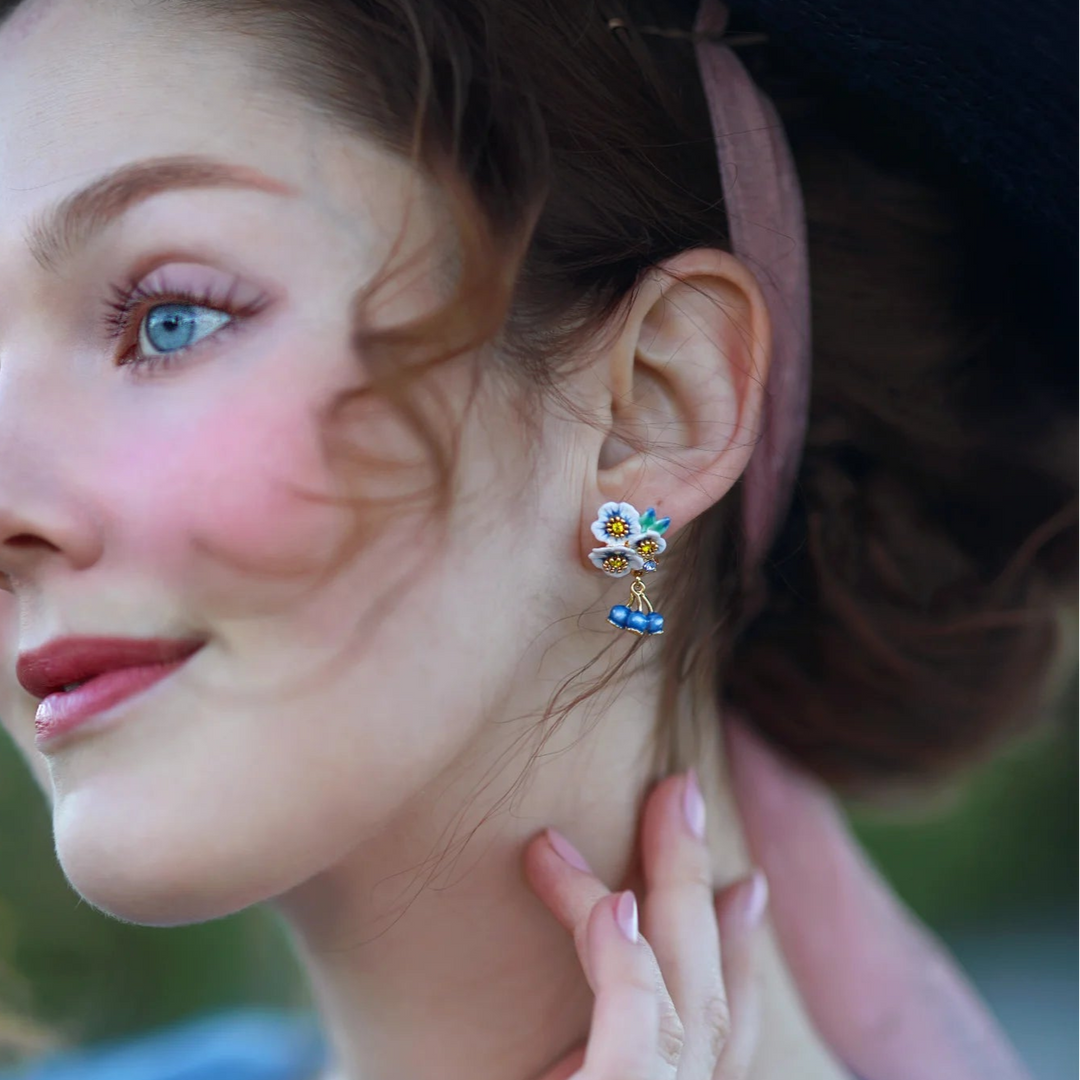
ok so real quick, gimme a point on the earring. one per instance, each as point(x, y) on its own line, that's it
point(631, 543)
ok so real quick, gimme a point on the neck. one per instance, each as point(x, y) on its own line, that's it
point(456, 969)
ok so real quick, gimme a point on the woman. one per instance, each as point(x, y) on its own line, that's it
point(348, 353)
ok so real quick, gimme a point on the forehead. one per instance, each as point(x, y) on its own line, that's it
point(86, 85)
point(19, 18)
point(92, 85)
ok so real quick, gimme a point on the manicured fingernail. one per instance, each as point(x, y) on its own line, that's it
point(626, 916)
point(754, 900)
point(693, 805)
point(568, 851)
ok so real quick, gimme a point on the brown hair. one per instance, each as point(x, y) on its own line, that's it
point(906, 618)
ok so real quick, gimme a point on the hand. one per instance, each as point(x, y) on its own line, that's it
point(663, 1008)
point(880, 989)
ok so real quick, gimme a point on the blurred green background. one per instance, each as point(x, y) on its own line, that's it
point(992, 867)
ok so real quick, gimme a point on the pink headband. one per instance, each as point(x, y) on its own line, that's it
point(768, 232)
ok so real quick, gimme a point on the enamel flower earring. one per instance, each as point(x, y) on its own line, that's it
point(631, 543)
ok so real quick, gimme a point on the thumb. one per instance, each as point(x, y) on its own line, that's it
point(879, 987)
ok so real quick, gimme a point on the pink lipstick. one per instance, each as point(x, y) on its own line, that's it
point(79, 679)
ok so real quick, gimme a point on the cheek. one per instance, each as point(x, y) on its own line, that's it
point(244, 478)
point(218, 502)
point(249, 503)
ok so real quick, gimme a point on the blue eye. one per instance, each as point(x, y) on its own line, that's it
point(168, 322)
point(174, 327)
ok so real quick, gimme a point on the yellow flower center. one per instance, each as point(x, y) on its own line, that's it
point(618, 527)
point(616, 562)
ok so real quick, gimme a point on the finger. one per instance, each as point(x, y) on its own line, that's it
point(569, 1068)
point(679, 918)
point(578, 900)
point(740, 911)
point(878, 986)
point(627, 1040)
point(569, 891)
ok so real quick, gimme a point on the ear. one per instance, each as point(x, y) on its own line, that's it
point(685, 379)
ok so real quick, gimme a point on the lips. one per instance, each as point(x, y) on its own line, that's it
point(63, 661)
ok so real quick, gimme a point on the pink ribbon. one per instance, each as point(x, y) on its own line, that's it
point(768, 232)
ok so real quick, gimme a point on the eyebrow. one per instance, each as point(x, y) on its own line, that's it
point(58, 232)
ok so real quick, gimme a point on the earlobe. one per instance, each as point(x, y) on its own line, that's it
point(692, 361)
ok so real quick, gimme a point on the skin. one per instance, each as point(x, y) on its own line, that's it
point(257, 774)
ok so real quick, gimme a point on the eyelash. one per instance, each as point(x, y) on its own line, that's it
point(131, 302)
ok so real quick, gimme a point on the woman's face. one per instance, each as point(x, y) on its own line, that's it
point(149, 496)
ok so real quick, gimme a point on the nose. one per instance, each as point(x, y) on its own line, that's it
point(42, 518)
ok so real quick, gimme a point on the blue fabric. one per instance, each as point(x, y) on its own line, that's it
point(242, 1044)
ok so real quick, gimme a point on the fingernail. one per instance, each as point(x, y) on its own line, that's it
point(568, 851)
point(626, 916)
point(754, 900)
point(693, 805)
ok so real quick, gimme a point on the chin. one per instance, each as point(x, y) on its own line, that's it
point(136, 877)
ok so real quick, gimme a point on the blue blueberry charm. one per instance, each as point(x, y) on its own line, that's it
point(630, 543)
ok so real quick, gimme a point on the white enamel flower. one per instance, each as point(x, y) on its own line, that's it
point(648, 544)
point(616, 560)
point(617, 523)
